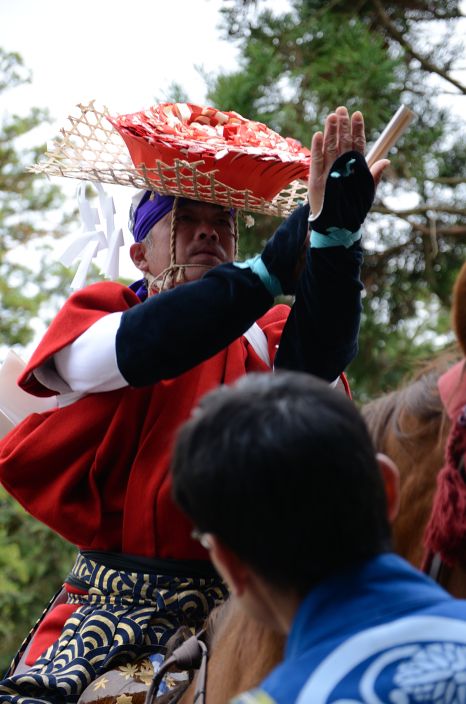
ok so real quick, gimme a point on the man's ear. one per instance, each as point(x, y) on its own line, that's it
point(235, 572)
point(391, 480)
point(137, 252)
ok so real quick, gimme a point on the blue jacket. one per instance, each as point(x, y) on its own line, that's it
point(380, 633)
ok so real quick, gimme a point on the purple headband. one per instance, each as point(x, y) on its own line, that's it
point(142, 219)
point(148, 212)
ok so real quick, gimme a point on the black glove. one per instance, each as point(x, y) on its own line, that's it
point(349, 194)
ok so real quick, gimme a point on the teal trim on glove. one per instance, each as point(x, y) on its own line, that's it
point(336, 238)
point(271, 282)
point(346, 171)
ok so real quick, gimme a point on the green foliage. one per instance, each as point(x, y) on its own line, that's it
point(33, 561)
point(175, 94)
point(12, 71)
point(24, 200)
point(297, 66)
point(33, 565)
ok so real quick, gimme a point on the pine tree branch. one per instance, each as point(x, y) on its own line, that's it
point(371, 257)
point(375, 258)
point(448, 180)
point(425, 63)
point(419, 210)
point(443, 231)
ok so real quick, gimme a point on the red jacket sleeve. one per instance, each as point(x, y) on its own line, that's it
point(80, 311)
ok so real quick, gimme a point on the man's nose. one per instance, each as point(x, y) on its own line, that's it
point(206, 231)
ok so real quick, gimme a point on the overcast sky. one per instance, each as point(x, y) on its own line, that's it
point(119, 52)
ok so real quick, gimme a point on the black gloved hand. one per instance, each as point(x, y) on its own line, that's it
point(349, 194)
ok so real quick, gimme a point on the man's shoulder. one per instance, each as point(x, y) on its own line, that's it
point(394, 659)
point(105, 295)
point(81, 310)
point(385, 646)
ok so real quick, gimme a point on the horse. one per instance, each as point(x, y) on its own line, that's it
point(422, 428)
point(413, 426)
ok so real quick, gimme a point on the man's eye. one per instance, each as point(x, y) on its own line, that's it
point(184, 218)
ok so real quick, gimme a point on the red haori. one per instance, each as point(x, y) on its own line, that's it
point(243, 154)
point(130, 430)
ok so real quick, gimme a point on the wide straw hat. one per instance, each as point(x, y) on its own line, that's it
point(184, 150)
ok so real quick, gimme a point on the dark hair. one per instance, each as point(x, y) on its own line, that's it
point(282, 469)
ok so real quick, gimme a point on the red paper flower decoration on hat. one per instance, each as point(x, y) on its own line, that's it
point(244, 155)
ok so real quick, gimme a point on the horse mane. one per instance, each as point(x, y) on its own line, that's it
point(414, 411)
point(250, 649)
point(231, 628)
point(458, 312)
point(410, 425)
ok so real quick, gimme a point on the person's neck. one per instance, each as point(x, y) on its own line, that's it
point(287, 606)
point(282, 605)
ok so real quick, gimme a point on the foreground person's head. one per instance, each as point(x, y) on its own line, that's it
point(280, 472)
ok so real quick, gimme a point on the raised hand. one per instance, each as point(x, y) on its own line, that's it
point(341, 134)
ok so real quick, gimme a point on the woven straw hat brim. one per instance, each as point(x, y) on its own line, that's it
point(90, 148)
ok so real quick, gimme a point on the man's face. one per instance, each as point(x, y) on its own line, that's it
point(204, 236)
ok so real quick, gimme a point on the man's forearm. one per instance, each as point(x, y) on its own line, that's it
point(321, 334)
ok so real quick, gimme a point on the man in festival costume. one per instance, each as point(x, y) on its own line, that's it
point(128, 374)
point(310, 554)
